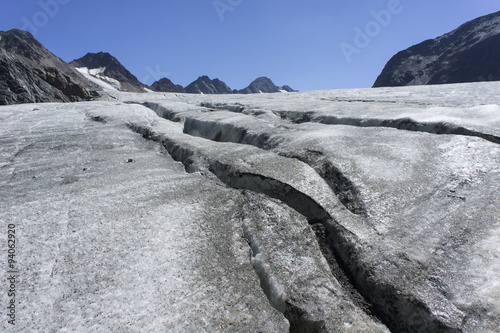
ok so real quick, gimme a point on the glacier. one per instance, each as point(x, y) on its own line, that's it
point(363, 210)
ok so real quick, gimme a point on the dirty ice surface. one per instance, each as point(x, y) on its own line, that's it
point(368, 210)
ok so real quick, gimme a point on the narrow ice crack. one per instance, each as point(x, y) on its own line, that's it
point(407, 124)
point(257, 183)
point(399, 310)
point(347, 193)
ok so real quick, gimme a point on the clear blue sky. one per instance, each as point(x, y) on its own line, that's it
point(293, 42)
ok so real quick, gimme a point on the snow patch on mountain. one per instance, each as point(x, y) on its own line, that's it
point(95, 75)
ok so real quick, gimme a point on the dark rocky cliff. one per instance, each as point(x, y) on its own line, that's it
point(29, 73)
point(470, 53)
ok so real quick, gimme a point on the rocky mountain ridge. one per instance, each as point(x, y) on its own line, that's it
point(264, 85)
point(29, 73)
point(469, 53)
point(204, 85)
point(111, 70)
point(104, 67)
point(165, 85)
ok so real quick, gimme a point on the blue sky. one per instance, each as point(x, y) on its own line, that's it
point(309, 45)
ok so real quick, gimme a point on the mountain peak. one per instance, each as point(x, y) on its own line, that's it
point(97, 60)
point(204, 85)
point(23, 43)
point(29, 73)
point(264, 85)
point(19, 34)
point(469, 53)
point(112, 69)
point(263, 79)
point(165, 85)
